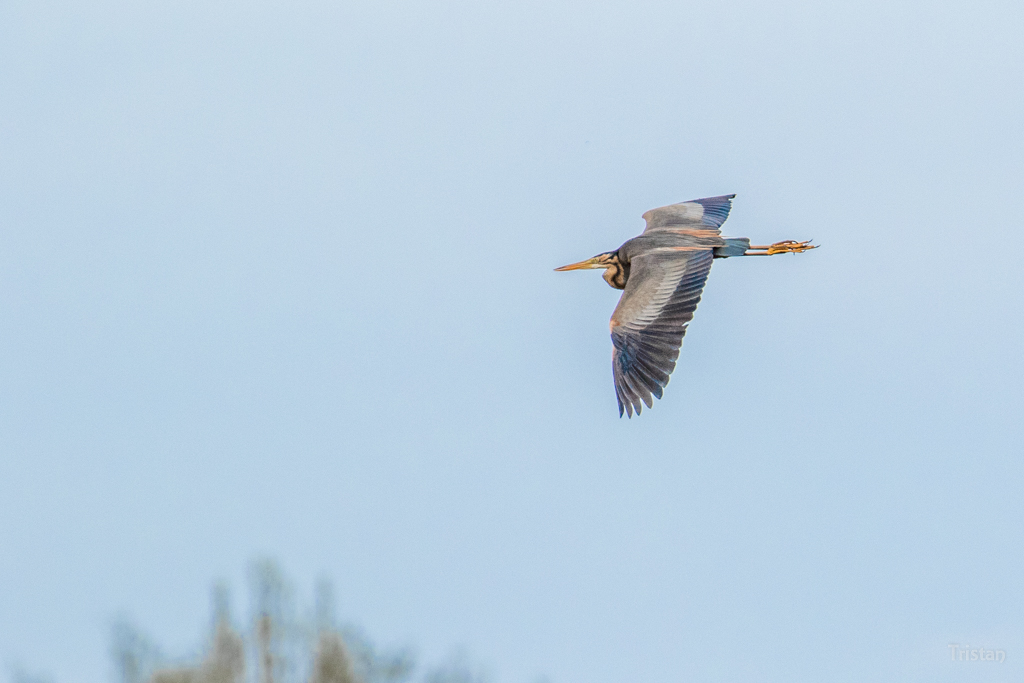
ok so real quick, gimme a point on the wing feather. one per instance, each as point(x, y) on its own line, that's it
point(648, 325)
point(696, 215)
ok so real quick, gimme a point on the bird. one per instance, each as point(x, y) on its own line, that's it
point(662, 273)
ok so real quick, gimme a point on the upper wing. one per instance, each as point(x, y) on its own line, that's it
point(697, 214)
point(648, 325)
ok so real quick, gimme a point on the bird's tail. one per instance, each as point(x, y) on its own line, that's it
point(734, 246)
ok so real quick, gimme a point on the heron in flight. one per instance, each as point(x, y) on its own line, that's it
point(662, 273)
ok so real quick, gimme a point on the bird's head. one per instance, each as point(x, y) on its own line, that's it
point(615, 273)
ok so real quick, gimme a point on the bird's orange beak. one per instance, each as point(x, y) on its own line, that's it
point(589, 263)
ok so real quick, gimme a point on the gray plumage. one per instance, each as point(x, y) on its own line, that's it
point(662, 273)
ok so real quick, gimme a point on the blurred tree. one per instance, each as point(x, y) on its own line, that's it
point(224, 663)
point(19, 675)
point(135, 656)
point(456, 670)
point(276, 627)
point(332, 664)
point(372, 666)
point(279, 646)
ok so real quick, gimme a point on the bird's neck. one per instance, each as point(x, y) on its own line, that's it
point(616, 274)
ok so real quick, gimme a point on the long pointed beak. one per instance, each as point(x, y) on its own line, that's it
point(589, 263)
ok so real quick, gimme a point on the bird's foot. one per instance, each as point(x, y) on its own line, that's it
point(790, 247)
point(784, 247)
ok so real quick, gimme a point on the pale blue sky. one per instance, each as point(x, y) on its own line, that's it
point(276, 278)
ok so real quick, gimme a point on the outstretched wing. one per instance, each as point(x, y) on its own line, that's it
point(697, 214)
point(648, 325)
